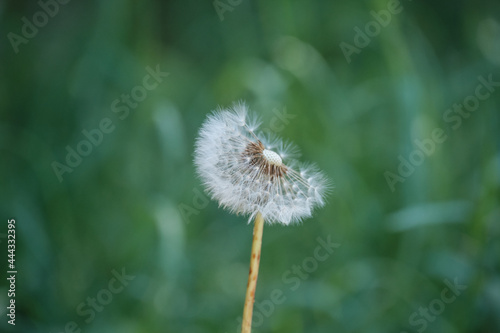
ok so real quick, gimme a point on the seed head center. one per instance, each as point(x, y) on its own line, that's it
point(272, 157)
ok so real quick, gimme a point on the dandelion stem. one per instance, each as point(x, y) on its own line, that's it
point(246, 326)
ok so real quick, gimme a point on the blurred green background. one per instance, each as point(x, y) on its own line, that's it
point(132, 206)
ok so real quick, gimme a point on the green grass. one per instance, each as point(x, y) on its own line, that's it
point(119, 207)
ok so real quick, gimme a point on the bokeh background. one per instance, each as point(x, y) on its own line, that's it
point(133, 205)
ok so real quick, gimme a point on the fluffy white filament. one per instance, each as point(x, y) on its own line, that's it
point(247, 172)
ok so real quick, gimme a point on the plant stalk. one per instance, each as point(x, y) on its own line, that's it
point(246, 326)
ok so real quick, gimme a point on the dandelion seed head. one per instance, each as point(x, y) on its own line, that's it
point(272, 157)
point(248, 172)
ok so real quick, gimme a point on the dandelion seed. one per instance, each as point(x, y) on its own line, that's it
point(231, 158)
point(252, 174)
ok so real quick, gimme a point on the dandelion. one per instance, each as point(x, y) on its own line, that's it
point(253, 174)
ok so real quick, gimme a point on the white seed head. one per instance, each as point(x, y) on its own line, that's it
point(272, 157)
point(241, 172)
